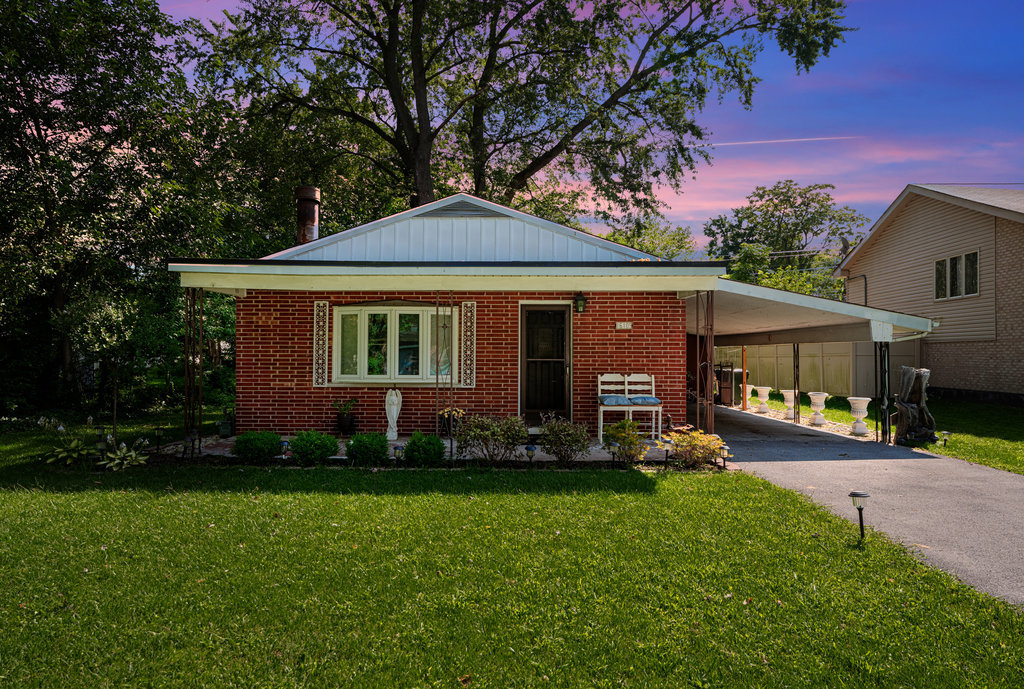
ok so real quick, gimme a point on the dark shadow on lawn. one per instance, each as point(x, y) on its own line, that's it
point(343, 481)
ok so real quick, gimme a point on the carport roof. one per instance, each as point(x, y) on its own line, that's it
point(747, 314)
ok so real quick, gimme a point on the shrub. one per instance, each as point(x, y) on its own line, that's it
point(424, 450)
point(564, 440)
point(313, 447)
point(626, 433)
point(489, 438)
point(367, 449)
point(692, 449)
point(257, 447)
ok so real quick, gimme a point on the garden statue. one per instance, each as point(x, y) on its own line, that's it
point(913, 420)
point(393, 405)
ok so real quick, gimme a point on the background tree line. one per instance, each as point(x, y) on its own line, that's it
point(127, 139)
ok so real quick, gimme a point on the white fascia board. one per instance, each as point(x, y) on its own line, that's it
point(639, 268)
point(844, 308)
point(869, 237)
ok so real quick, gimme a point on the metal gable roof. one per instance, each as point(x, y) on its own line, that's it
point(462, 228)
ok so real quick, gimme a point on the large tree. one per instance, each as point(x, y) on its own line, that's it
point(791, 222)
point(513, 100)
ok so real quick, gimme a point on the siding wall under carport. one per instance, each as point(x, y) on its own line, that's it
point(838, 368)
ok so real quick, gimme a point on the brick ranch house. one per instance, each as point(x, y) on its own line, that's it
point(466, 303)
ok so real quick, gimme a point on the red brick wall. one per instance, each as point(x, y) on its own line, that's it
point(275, 358)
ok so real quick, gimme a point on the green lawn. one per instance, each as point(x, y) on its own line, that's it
point(231, 577)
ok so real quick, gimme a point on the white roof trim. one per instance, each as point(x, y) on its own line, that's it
point(932, 192)
point(585, 237)
point(626, 269)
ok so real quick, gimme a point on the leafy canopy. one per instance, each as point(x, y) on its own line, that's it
point(513, 100)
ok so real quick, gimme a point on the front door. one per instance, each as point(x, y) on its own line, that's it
point(544, 369)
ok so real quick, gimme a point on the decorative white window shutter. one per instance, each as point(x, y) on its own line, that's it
point(467, 345)
point(321, 342)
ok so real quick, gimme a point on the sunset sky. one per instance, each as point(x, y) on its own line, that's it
point(924, 91)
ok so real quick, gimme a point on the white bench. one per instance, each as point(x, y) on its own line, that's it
point(627, 386)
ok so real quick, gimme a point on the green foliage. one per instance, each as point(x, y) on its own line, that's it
point(71, 452)
point(789, 220)
point(630, 446)
point(257, 447)
point(564, 440)
point(511, 100)
point(492, 439)
point(367, 449)
point(656, 237)
point(752, 264)
point(313, 447)
point(692, 449)
point(345, 406)
point(124, 457)
point(424, 450)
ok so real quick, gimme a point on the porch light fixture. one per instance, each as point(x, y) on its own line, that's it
point(945, 437)
point(579, 302)
point(399, 452)
point(530, 452)
point(859, 497)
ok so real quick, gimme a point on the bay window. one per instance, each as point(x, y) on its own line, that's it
point(392, 344)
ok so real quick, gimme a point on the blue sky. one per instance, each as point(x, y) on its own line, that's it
point(929, 92)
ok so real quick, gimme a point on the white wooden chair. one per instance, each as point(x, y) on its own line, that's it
point(628, 386)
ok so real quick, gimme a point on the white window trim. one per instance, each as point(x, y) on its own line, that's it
point(392, 376)
point(963, 277)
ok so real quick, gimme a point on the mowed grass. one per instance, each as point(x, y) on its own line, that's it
point(240, 577)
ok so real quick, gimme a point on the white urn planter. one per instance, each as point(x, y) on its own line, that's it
point(859, 409)
point(788, 396)
point(762, 397)
point(817, 405)
point(749, 389)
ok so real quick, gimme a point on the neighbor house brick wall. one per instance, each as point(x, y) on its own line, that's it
point(993, 365)
point(274, 358)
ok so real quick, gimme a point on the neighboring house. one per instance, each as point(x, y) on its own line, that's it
point(467, 303)
point(953, 254)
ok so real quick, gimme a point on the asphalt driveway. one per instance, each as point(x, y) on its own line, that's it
point(963, 518)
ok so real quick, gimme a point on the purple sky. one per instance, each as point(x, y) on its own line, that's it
point(926, 91)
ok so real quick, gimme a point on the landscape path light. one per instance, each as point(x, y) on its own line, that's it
point(724, 454)
point(614, 449)
point(859, 497)
point(945, 437)
point(530, 452)
point(284, 448)
point(399, 452)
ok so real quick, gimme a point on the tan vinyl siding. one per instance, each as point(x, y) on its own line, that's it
point(900, 262)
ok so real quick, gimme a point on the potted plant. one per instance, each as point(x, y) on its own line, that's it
point(449, 419)
point(346, 423)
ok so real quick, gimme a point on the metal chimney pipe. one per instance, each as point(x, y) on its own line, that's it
point(307, 209)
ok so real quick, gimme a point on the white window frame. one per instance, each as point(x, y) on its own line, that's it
point(961, 274)
point(392, 375)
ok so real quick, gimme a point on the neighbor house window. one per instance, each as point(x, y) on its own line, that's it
point(956, 276)
point(392, 344)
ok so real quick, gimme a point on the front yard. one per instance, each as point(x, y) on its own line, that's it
point(246, 577)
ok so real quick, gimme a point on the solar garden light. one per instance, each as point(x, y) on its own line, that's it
point(945, 437)
point(614, 449)
point(284, 448)
point(399, 452)
point(157, 433)
point(101, 438)
point(530, 452)
point(723, 452)
point(668, 450)
point(859, 497)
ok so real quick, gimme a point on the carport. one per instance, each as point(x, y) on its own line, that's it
point(741, 314)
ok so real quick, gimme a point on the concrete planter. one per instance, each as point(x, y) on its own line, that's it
point(762, 397)
point(859, 409)
point(817, 405)
point(749, 392)
point(788, 396)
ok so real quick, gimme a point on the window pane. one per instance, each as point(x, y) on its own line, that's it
point(348, 360)
point(956, 276)
point(376, 344)
point(940, 279)
point(441, 335)
point(971, 273)
point(408, 344)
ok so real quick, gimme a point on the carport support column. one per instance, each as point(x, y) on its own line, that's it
point(796, 383)
point(881, 334)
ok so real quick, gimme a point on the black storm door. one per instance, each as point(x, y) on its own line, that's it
point(544, 387)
